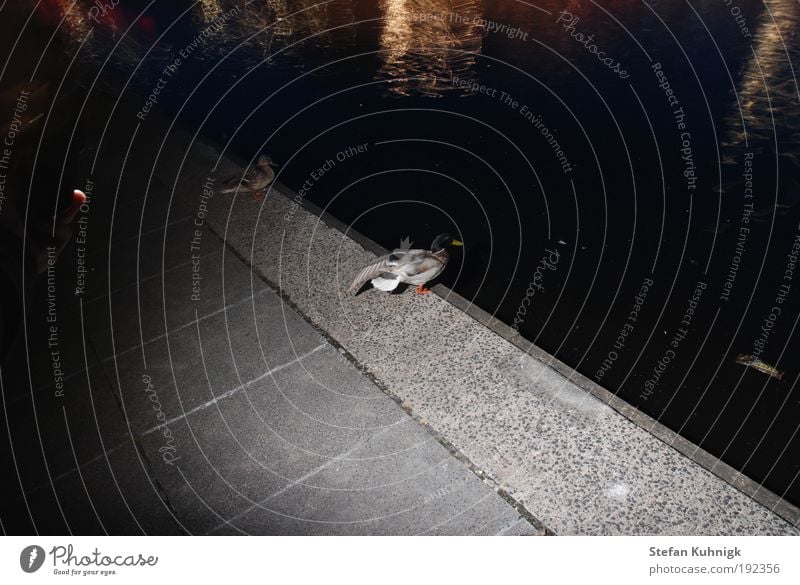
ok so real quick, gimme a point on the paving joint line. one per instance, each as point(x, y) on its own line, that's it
point(185, 325)
point(233, 391)
point(299, 481)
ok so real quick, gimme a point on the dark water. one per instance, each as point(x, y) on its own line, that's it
point(634, 215)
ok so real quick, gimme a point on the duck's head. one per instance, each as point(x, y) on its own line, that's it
point(264, 161)
point(443, 241)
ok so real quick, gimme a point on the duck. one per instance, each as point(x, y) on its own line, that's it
point(407, 266)
point(254, 180)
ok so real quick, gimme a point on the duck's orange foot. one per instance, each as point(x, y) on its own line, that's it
point(423, 290)
point(258, 195)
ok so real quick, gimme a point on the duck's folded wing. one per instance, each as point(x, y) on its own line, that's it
point(409, 261)
point(239, 183)
point(382, 265)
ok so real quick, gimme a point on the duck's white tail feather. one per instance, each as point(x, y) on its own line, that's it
point(385, 284)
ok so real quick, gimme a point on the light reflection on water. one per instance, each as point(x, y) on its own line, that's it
point(768, 94)
point(208, 10)
point(424, 43)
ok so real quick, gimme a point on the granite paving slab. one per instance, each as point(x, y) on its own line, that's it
point(199, 362)
point(174, 298)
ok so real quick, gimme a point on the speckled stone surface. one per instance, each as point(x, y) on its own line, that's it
point(576, 464)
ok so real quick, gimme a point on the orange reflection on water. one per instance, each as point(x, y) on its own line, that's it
point(209, 10)
point(432, 40)
point(768, 91)
point(424, 43)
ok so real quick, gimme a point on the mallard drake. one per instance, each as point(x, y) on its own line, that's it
point(254, 180)
point(409, 266)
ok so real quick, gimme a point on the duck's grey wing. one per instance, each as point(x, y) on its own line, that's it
point(235, 184)
point(383, 265)
point(260, 178)
point(410, 260)
point(232, 185)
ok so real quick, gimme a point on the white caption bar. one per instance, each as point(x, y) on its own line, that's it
point(156, 559)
